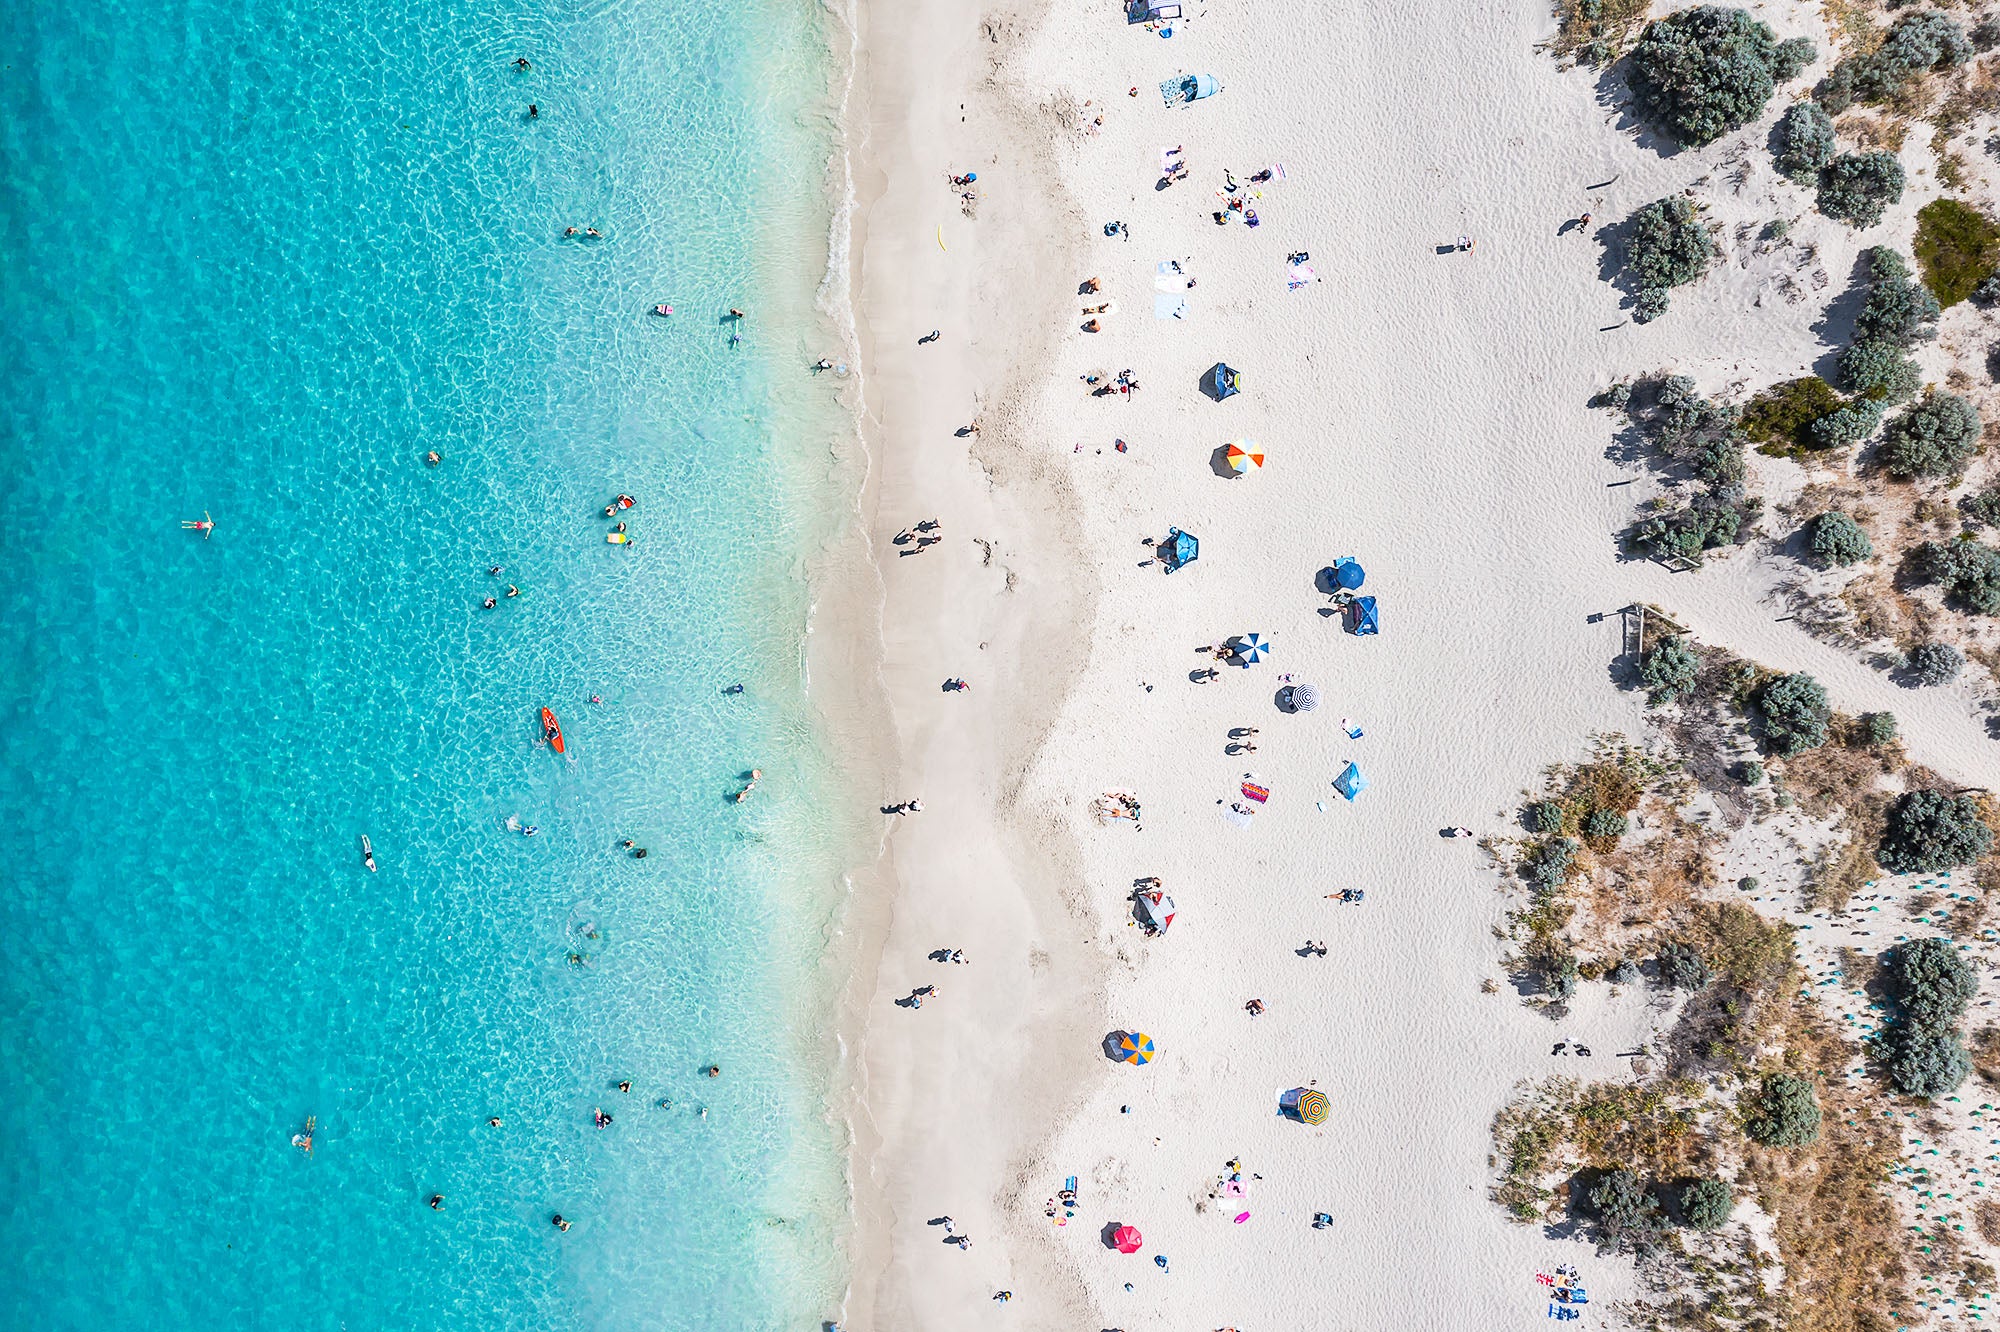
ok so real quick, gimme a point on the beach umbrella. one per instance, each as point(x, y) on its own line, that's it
point(1154, 909)
point(1128, 1239)
point(1350, 783)
point(1303, 697)
point(1348, 573)
point(1135, 1048)
point(1311, 1106)
point(1251, 648)
point(1244, 456)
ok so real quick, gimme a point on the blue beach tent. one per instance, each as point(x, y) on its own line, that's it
point(1186, 549)
point(1350, 783)
point(1183, 89)
point(1361, 616)
point(1225, 382)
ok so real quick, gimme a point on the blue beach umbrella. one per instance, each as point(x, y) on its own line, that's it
point(1348, 573)
point(1251, 648)
point(1136, 1048)
point(1350, 783)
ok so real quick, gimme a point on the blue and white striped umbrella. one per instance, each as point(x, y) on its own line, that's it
point(1252, 647)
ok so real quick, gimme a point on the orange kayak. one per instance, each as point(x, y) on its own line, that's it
point(551, 732)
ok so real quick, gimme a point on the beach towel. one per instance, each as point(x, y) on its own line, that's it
point(1252, 791)
point(1170, 305)
point(1300, 275)
point(1169, 276)
point(1238, 814)
point(1353, 728)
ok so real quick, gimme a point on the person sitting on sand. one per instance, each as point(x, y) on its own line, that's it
point(1254, 1007)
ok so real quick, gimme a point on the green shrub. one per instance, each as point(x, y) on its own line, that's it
point(1669, 670)
point(1560, 977)
point(1934, 663)
point(1791, 58)
point(1957, 248)
point(1968, 570)
point(1702, 72)
point(1784, 413)
point(1670, 246)
point(1683, 968)
point(1899, 310)
point(1982, 508)
point(1795, 713)
point(1929, 831)
point(1704, 524)
point(1605, 824)
point(1805, 142)
point(1649, 305)
point(1881, 371)
point(1878, 728)
point(1550, 868)
point(1932, 437)
point(1752, 773)
point(1932, 986)
point(1786, 1113)
point(1625, 973)
point(1927, 1063)
point(1930, 981)
point(1720, 462)
point(1749, 883)
point(1545, 816)
point(1705, 1203)
point(1917, 42)
point(1836, 539)
point(1857, 188)
point(1623, 1205)
point(1850, 425)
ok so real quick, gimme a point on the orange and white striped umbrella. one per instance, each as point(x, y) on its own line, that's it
point(1245, 455)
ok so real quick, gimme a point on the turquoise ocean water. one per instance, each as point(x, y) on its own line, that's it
point(260, 257)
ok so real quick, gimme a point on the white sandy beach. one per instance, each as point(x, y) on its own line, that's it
point(1423, 412)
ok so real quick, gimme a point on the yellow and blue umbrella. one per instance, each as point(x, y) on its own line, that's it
point(1135, 1048)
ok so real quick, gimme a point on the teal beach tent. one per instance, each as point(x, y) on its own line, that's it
point(1350, 783)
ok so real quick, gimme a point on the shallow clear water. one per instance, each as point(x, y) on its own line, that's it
point(260, 258)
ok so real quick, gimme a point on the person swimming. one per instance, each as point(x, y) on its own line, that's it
point(733, 689)
point(558, 1222)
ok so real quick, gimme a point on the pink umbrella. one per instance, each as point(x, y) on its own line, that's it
point(1127, 1238)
